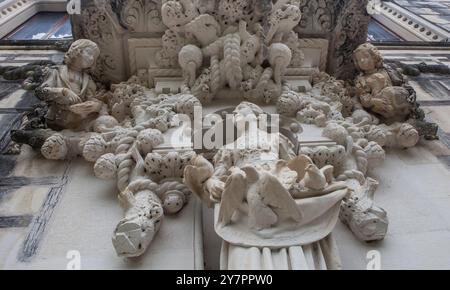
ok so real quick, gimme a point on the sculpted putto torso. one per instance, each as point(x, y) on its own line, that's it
point(259, 171)
point(376, 89)
point(70, 90)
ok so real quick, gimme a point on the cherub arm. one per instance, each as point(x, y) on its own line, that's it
point(92, 104)
point(364, 92)
point(62, 96)
point(50, 90)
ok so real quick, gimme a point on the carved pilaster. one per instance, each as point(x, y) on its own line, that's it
point(101, 25)
point(350, 31)
point(343, 22)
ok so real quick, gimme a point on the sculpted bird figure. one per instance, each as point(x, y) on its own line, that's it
point(264, 194)
point(316, 178)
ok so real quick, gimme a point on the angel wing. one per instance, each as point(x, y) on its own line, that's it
point(232, 196)
point(195, 175)
point(260, 215)
point(194, 184)
point(328, 173)
point(275, 195)
point(299, 164)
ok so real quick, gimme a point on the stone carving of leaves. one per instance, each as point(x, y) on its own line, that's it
point(317, 12)
point(105, 63)
point(142, 15)
point(351, 31)
point(97, 27)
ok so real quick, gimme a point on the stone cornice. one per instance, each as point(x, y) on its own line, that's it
point(408, 25)
point(15, 12)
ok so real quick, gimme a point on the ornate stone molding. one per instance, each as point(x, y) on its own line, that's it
point(342, 23)
point(408, 25)
point(15, 12)
point(141, 15)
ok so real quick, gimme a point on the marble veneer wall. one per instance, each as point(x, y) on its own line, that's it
point(126, 25)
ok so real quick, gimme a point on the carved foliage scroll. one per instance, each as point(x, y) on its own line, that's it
point(142, 15)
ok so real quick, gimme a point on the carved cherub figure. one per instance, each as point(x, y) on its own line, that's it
point(259, 175)
point(176, 14)
point(70, 101)
point(69, 89)
point(285, 16)
point(204, 29)
point(380, 89)
point(235, 58)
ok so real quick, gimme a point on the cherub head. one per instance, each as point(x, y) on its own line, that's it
point(407, 136)
point(246, 109)
point(251, 49)
point(367, 58)
point(204, 28)
point(82, 54)
point(246, 116)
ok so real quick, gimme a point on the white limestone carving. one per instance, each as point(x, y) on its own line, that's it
point(70, 90)
point(280, 57)
point(205, 29)
point(257, 190)
point(190, 59)
point(272, 196)
point(176, 14)
point(285, 16)
point(358, 211)
point(233, 43)
point(376, 89)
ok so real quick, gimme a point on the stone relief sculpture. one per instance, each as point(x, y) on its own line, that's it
point(275, 203)
point(343, 22)
point(70, 93)
point(69, 88)
point(119, 136)
point(234, 45)
point(385, 91)
point(259, 191)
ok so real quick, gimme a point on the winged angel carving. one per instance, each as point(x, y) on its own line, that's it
point(264, 195)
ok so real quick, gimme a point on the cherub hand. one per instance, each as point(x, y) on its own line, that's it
point(366, 100)
point(215, 187)
point(68, 98)
point(86, 108)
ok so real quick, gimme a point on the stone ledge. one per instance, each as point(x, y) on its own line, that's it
point(15, 12)
point(408, 25)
